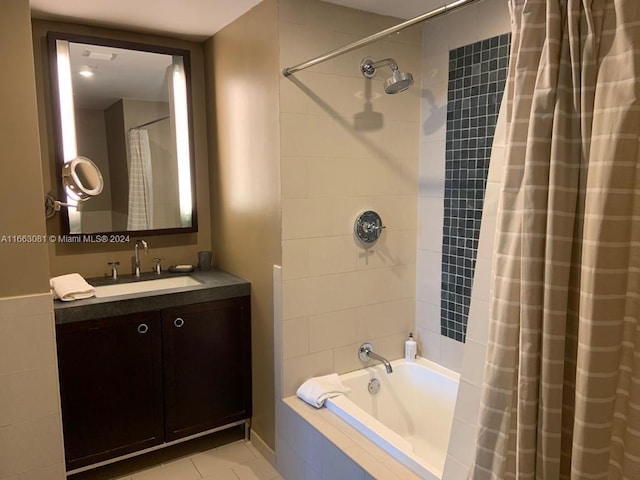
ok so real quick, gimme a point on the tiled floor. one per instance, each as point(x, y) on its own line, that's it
point(210, 458)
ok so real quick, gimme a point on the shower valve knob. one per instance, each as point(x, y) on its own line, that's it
point(372, 227)
point(367, 228)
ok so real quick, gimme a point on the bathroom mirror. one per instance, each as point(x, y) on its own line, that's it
point(126, 106)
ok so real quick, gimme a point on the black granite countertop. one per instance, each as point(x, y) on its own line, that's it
point(216, 285)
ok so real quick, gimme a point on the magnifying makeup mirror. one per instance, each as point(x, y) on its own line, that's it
point(81, 179)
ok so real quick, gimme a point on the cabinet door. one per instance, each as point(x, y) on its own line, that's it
point(206, 365)
point(110, 386)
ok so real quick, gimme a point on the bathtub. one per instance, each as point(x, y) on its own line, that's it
point(411, 415)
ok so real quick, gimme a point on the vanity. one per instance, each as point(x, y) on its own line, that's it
point(159, 359)
point(150, 368)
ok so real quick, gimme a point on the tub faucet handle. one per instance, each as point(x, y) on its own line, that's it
point(157, 265)
point(114, 269)
point(366, 353)
point(372, 227)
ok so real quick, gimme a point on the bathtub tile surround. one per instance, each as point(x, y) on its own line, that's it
point(486, 19)
point(477, 76)
point(346, 147)
point(443, 36)
point(469, 25)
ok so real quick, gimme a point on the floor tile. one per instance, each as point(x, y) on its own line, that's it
point(245, 473)
point(222, 475)
point(148, 474)
point(200, 459)
point(183, 469)
point(222, 458)
point(260, 468)
point(179, 470)
point(238, 452)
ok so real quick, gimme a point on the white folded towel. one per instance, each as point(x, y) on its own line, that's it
point(317, 389)
point(71, 287)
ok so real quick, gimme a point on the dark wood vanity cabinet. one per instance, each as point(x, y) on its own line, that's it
point(207, 366)
point(135, 381)
point(110, 374)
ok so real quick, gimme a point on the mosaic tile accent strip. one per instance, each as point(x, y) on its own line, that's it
point(477, 77)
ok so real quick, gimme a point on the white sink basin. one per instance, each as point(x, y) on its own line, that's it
point(145, 286)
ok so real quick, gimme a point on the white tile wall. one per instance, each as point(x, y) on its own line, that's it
point(478, 21)
point(469, 24)
point(30, 421)
point(335, 293)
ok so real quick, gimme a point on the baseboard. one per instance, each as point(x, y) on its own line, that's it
point(263, 448)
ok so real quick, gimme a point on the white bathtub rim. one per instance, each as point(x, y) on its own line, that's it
point(351, 442)
point(376, 366)
point(396, 446)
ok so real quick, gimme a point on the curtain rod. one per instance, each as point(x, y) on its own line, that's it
point(151, 122)
point(376, 36)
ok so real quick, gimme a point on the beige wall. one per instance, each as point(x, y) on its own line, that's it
point(25, 265)
point(242, 78)
point(30, 423)
point(92, 142)
point(91, 259)
point(118, 165)
point(339, 159)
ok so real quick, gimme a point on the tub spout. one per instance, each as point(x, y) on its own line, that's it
point(366, 353)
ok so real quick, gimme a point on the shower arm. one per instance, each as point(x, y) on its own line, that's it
point(385, 61)
point(369, 67)
point(376, 36)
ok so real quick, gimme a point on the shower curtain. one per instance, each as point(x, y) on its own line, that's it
point(562, 379)
point(140, 212)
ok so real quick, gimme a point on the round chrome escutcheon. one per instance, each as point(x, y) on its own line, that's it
point(367, 228)
point(374, 386)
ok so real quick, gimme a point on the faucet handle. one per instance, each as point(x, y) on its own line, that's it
point(371, 227)
point(114, 269)
point(363, 352)
point(157, 266)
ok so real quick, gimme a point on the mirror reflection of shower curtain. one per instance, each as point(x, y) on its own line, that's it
point(140, 214)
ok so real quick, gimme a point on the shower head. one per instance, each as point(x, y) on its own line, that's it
point(396, 83)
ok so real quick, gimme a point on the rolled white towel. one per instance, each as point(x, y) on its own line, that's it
point(317, 389)
point(71, 287)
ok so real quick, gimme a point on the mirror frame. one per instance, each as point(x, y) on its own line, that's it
point(52, 37)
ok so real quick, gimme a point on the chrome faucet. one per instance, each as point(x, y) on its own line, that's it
point(136, 258)
point(366, 353)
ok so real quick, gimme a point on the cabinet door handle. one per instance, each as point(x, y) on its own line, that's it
point(178, 322)
point(143, 328)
